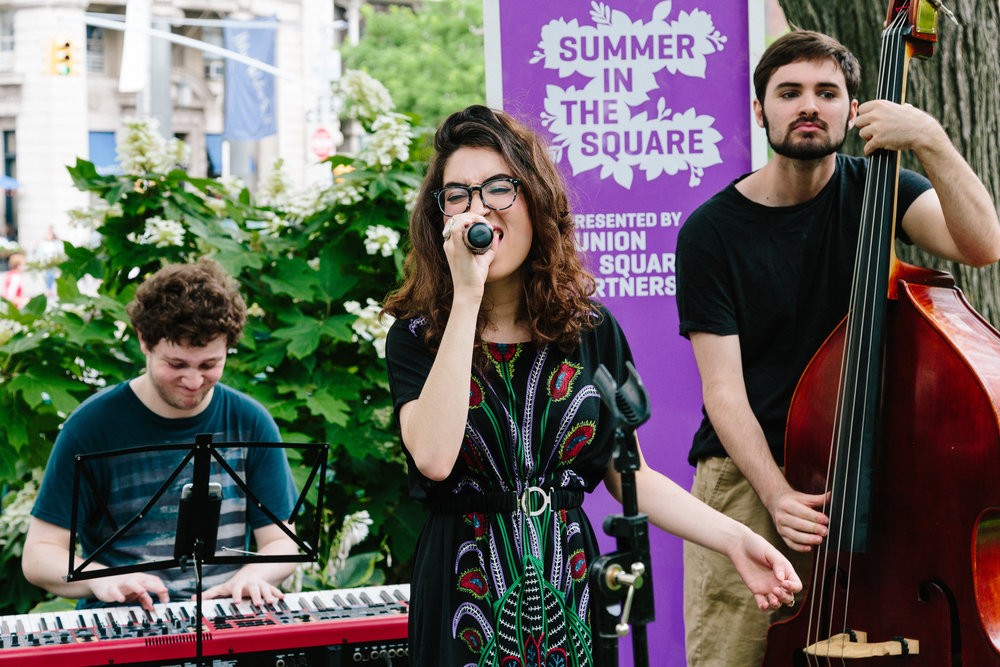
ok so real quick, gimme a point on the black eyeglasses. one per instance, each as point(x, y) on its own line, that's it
point(496, 193)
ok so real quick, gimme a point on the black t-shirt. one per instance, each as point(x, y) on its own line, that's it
point(779, 278)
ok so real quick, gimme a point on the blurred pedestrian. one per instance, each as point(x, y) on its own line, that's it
point(12, 281)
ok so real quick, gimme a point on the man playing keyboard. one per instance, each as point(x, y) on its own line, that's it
point(187, 317)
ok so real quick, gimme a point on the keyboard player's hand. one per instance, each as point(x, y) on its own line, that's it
point(246, 583)
point(134, 588)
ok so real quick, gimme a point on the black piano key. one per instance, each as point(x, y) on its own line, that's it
point(353, 600)
point(384, 594)
point(399, 595)
point(339, 600)
point(318, 602)
point(367, 600)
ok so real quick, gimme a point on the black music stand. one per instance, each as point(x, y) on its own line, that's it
point(626, 573)
point(198, 514)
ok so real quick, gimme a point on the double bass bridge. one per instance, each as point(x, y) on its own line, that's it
point(854, 644)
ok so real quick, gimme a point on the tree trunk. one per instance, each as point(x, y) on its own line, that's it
point(959, 85)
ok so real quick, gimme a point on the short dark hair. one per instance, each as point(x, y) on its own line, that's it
point(188, 304)
point(799, 45)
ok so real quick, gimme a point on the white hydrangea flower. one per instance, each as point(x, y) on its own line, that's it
point(255, 310)
point(275, 185)
point(353, 532)
point(304, 202)
point(369, 326)
point(16, 515)
point(9, 329)
point(142, 149)
point(346, 193)
point(217, 205)
point(93, 216)
point(160, 233)
point(390, 140)
point(381, 239)
point(410, 197)
point(365, 98)
point(232, 186)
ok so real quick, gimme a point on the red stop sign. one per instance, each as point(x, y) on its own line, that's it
point(321, 143)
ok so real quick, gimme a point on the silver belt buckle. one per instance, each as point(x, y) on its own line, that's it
point(546, 501)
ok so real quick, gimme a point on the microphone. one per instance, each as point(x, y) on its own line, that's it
point(478, 237)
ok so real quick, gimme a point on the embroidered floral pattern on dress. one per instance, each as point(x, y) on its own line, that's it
point(473, 639)
point(470, 455)
point(474, 583)
point(475, 393)
point(478, 523)
point(575, 441)
point(503, 356)
point(561, 380)
point(578, 565)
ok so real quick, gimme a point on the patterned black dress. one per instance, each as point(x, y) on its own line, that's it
point(507, 586)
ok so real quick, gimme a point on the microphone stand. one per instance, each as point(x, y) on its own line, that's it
point(626, 573)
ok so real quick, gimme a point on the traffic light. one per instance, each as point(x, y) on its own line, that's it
point(61, 57)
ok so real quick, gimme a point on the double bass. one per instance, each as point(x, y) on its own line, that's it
point(896, 417)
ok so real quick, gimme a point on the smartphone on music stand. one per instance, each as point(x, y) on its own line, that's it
point(184, 542)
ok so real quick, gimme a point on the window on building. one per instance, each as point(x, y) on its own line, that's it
point(215, 65)
point(96, 49)
point(6, 40)
point(9, 226)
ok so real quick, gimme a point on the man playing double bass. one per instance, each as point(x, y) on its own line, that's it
point(764, 275)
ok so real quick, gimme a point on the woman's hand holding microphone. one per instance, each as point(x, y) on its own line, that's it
point(478, 237)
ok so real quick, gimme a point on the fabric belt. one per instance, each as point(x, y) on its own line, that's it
point(534, 501)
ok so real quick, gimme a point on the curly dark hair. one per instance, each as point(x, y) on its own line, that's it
point(557, 304)
point(809, 46)
point(188, 304)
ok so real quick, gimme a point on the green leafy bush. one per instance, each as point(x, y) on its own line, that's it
point(313, 264)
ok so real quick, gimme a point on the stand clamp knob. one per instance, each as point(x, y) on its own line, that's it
point(615, 578)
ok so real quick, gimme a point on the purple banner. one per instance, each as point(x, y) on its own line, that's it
point(646, 107)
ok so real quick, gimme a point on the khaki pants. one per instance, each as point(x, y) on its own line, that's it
point(723, 626)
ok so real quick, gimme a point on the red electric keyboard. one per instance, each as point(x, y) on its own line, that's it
point(351, 626)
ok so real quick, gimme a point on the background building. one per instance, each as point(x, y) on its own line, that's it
point(67, 84)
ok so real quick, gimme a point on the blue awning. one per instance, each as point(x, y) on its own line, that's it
point(213, 147)
point(104, 152)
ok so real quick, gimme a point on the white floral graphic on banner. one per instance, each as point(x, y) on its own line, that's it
point(594, 127)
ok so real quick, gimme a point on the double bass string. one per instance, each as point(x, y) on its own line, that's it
point(861, 362)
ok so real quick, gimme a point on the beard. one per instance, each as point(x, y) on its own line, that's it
point(805, 149)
